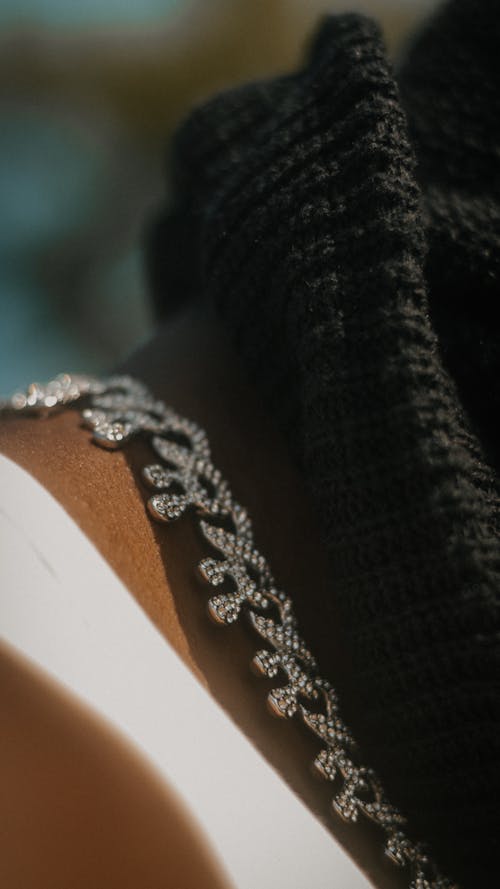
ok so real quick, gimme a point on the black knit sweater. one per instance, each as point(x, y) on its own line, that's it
point(347, 228)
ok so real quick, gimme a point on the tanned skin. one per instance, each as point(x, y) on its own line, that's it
point(191, 366)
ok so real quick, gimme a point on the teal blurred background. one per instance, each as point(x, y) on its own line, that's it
point(89, 95)
point(72, 291)
point(86, 13)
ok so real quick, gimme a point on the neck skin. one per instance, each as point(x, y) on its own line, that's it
point(190, 365)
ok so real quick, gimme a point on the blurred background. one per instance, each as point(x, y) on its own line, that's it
point(89, 95)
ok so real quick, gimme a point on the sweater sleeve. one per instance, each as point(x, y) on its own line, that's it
point(313, 211)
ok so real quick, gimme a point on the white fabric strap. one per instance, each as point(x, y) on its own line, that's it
point(62, 606)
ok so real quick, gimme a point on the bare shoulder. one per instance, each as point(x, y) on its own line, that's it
point(60, 455)
point(102, 493)
point(192, 368)
point(74, 785)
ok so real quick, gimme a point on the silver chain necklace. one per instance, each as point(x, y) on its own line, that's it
point(184, 478)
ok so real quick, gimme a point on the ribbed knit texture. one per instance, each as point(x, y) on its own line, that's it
point(363, 306)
